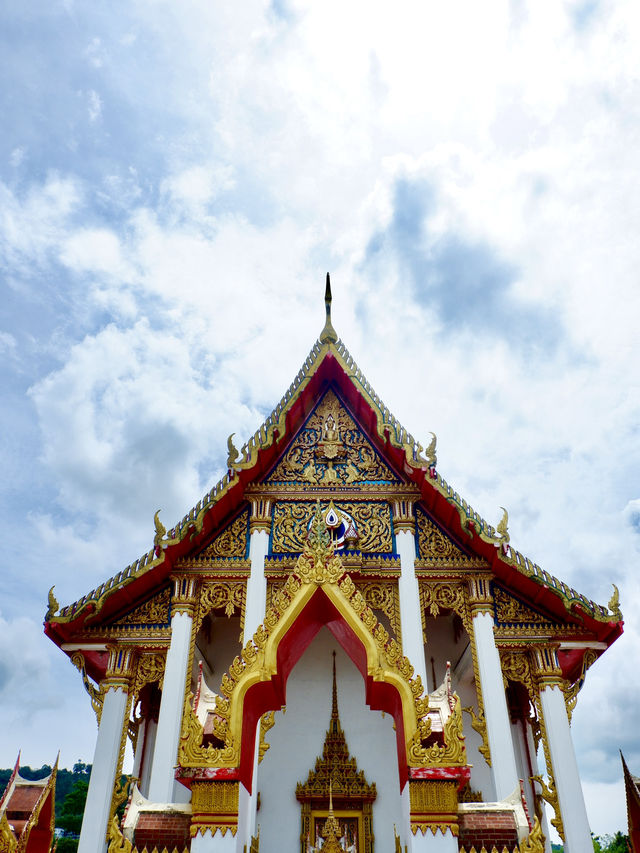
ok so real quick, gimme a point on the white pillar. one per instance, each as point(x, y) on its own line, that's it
point(256, 597)
point(503, 760)
point(107, 753)
point(408, 591)
point(577, 835)
point(165, 754)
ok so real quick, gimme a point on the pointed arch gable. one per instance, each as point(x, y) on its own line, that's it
point(262, 687)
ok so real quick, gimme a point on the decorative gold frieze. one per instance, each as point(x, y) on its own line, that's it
point(509, 609)
point(155, 611)
point(331, 450)
point(434, 806)
point(451, 754)
point(372, 518)
point(214, 807)
point(221, 595)
point(435, 548)
point(232, 542)
point(445, 596)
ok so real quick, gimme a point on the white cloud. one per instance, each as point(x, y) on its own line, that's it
point(94, 107)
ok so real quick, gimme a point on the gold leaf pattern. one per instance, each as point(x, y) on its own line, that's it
point(434, 546)
point(373, 521)
point(509, 609)
point(152, 612)
point(232, 542)
point(331, 449)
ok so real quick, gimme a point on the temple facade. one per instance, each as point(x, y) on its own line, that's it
point(333, 650)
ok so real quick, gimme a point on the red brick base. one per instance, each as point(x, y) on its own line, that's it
point(158, 829)
point(489, 829)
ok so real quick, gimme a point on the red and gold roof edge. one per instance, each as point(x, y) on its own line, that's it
point(330, 363)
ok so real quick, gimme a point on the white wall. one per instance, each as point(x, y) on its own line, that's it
point(298, 737)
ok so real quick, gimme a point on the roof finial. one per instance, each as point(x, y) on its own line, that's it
point(328, 334)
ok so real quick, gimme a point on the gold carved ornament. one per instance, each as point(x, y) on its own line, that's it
point(447, 596)
point(373, 519)
point(214, 807)
point(331, 449)
point(267, 722)
point(152, 612)
point(434, 806)
point(8, 842)
point(509, 609)
point(258, 662)
point(232, 542)
point(384, 597)
point(96, 695)
point(435, 548)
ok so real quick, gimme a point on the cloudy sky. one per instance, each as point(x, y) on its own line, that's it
point(175, 180)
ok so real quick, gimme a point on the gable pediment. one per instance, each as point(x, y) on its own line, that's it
point(331, 449)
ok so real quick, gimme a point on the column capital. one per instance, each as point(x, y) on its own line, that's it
point(260, 518)
point(480, 595)
point(403, 517)
point(545, 666)
point(185, 594)
point(120, 668)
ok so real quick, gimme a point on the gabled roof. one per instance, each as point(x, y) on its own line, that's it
point(27, 811)
point(329, 364)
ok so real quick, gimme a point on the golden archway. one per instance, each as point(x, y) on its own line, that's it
point(318, 593)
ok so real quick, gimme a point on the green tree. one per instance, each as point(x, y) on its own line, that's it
point(617, 843)
point(70, 818)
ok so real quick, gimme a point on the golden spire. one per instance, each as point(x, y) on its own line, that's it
point(328, 334)
point(331, 829)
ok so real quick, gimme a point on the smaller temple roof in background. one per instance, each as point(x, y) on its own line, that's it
point(632, 788)
point(27, 813)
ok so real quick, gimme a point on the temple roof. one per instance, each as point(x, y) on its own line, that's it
point(27, 812)
point(330, 365)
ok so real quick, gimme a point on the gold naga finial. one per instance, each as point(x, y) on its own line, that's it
point(503, 528)
point(430, 452)
point(160, 528)
point(614, 603)
point(328, 334)
point(232, 458)
point(53, 605)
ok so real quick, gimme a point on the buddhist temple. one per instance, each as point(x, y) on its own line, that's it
point(333, 650)
point(27, 813)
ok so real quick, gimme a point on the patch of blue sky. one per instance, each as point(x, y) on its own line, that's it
point(464, 280)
